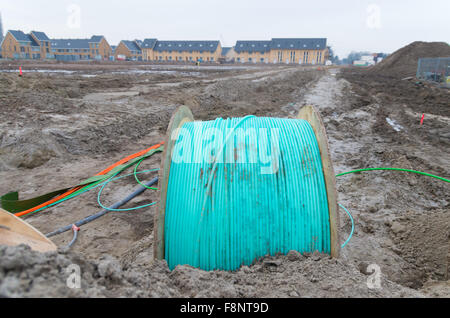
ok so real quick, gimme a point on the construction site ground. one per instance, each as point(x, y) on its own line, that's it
point(63, 123)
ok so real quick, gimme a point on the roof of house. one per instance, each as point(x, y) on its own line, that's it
point(19, 35)
point(131, 45)
point(70, 43)
point(299, 44)
point(96, 39)
point(149, 43)
point(225, 50)
point(252, 46)
point(22, 37)
point(41, 36)
point(281, 44)
point(186, 46)
point(33, 42)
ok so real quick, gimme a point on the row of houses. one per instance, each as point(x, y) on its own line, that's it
point(295, 50)
point(37, 45)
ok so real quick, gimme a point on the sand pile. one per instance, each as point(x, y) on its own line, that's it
point(403, 63)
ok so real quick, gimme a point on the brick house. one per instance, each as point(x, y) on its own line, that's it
point(129, 50)
point(187, 51)
point(279, 50)
point(18, 45)
point(95, 48)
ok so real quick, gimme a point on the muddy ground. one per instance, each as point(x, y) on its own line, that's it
point(63, 123)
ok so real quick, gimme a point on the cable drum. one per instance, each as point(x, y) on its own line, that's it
point(235, 190)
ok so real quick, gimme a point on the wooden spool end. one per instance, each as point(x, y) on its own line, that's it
point(311, 115)
point(14, 231)
point(181, 116)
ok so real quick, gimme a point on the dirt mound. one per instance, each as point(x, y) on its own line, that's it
point(24, 273)
point(403, 63)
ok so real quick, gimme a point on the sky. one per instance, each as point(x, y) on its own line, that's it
point(349, 25)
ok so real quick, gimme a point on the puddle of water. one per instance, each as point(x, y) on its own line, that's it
point(394, 124)
point(39, 71)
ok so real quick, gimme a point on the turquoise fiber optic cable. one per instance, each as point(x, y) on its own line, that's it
point(245, 188)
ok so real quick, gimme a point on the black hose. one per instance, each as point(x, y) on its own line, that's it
point(93, 217)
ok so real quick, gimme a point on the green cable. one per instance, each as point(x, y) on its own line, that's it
point(137, 179)
point(394, 169)
point(118, 210)
point(88, 188)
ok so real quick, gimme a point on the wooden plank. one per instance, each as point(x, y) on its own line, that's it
point(181, 116)
point(310, 114)
point(14, 231)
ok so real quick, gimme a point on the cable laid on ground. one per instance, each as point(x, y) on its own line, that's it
point(118, 166)
point(135, 173)
point(353, 225)
point(381, 169)
point(394, 169)
point(93, 217)
point(89, 188)
point(75, 230)
point(115, 209)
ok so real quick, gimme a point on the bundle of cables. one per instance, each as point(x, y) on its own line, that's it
point(22, 208)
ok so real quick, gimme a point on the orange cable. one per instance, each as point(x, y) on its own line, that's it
point(69, 192)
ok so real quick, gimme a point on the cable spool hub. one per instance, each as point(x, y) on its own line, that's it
point(235, 190)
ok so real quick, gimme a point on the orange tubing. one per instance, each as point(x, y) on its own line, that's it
point(62, 196)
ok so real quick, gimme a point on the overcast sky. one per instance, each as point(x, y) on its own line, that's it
point(372, 25)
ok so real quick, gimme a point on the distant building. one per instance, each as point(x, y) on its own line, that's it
point(44, 43)
point(147, 47)
point(169, 51)
point(128, 50)
point(18, 45)
point(365, 60)
point(187, 51)
point(95, 48)
point(253, 51)
point(228, 54)
point(283, 50)
point(37, 45)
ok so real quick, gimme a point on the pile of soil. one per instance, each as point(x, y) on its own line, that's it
point(403, 63)
point(25, 273)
